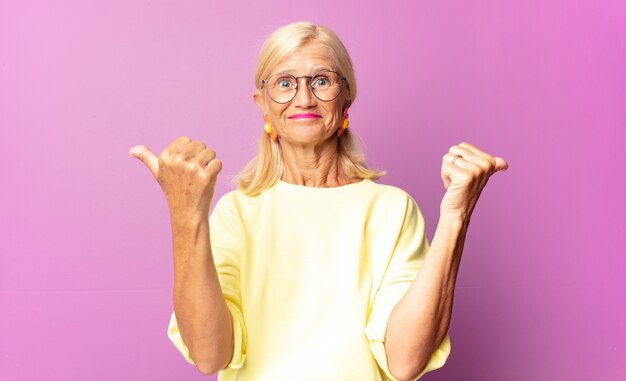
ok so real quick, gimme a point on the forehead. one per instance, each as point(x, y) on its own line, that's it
point(307, 59)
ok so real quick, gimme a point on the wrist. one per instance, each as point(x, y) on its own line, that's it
point(450, 235)
point(187, 218)
point(453, 218)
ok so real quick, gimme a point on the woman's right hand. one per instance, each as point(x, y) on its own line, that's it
point(186, 171)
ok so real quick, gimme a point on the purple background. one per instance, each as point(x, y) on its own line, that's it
point(85, 254)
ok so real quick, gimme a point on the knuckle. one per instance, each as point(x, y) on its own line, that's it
point(177, 159)
point(202, 174)
point(484, 164)
point(200, 167)
point(209, 155)
point(189, 166)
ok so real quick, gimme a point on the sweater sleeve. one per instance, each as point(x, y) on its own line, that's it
point(406, 260)
point(226, 242)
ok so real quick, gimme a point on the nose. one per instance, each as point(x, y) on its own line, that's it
point(304, 95)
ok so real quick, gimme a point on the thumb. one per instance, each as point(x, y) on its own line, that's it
point(501, 164)
point(144, 154)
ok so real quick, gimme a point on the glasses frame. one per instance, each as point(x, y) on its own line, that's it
point(343, 80)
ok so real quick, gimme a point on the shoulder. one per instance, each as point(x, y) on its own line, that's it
point(397, 203)
point(232, 198)
point(237, 203)
point(228, 197)
point(391, 194)
point(227, 205)
point(389, 189)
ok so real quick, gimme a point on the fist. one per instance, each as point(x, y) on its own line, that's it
point(465, 171)
point(186, 171)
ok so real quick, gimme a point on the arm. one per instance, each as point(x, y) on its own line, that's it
point(187, 171)
point(204, 320)
point(419, 322)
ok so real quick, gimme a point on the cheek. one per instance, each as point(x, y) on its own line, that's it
point(276, 114)
point(335, 116)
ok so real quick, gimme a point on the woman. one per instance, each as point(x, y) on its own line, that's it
point(310, 270)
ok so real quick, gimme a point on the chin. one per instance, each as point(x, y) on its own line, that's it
point(307, 140)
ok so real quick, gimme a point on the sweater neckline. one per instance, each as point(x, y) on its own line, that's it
point(303, 188)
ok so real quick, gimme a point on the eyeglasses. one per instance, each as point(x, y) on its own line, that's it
point(325, 86)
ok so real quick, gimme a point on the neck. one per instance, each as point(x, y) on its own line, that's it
point(317, 166)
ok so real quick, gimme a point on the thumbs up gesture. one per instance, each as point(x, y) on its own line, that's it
point(186, 171)
point(465, 171)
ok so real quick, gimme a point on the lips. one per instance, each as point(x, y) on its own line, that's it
point(304, 116)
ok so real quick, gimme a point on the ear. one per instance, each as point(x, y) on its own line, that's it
point(257, 97)
point(347, 105)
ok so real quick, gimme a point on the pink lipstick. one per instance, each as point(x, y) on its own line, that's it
point(304, 116)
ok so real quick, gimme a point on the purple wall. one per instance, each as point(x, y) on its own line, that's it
point(85, 254)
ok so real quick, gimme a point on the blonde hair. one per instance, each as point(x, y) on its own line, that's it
point(267, 167)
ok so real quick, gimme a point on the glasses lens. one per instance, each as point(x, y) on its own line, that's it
point(282, 87)
point(325, 85)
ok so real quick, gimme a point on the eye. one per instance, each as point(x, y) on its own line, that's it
point(320, 81)
point(285, 83)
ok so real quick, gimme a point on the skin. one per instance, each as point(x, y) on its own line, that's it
point(187, 172)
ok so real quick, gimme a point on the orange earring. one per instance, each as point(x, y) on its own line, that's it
point(344, 124)
point(267, 127)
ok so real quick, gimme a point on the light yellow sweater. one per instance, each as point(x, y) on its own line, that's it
point(311, 275)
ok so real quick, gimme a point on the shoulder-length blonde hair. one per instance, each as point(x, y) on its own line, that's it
point(267, 167)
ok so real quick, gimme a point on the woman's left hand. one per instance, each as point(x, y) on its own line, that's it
point(465, 171)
